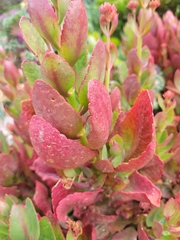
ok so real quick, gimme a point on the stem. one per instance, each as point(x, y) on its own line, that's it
point(83, 139)
point(107, 77)
point(72, 98)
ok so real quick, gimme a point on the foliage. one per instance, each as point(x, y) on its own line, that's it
point(90, 159)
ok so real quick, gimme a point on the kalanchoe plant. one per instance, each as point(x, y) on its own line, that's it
point(92, 157)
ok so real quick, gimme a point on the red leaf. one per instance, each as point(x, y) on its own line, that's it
point(131, 88)
point(54, 148)
point(8, 168)
point(141, 233)
point(141, 189)
point(47, 174)
point(104, 166)
point(74, 32)
point(153, 170)
point(26, 114)
point(54, 109)
point(8, 190)
point(100, 114)
point(57, 72)
point(11, 73)
point(139, 162)
point(96, 70)
point(75, 200)
point(137, 133)
point(115, 98)
point(126, 234)
point(41, 197)
point(58, 194)
point(45, 21)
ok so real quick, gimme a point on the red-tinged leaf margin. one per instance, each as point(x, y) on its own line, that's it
point(57, 72)
point(54, 148)
point(100, 114)
point(138, 133)
point(53, 108)
point(77, 199)
point(96, 70)
point(11, 73)
point(115, 98)
point(140, 188)
point(139, 162)
point(45, 21)
point(40, 197)
point(74, 32)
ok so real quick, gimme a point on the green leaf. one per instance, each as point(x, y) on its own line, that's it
point(33, 40)
point(31, 71)
point(18, 223)
point(33, 224)
point(46, 231)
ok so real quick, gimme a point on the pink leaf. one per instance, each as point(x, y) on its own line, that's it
point(45, 21)
point(100, 114)
point(8, 190)
point(41, 197)
point(137, 133)
point(8, 168)
point(141, 233)
point(57, 72)
point(133, 62)
point(54, 148)
point(153, 170)
point(26, 114)
point(104, 166)
point(141, 189)
point(11, 73)
point(74, 32)
point(132, 92)
point(58, 194)
point(115, 98)
point(96, 70)
point(126, 234)
point(75, 200)
point(54, 109)
point(47, 174)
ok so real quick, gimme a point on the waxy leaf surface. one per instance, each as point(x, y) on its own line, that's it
point(57, 72)
point(75, 200)
point(137, 133)
point(54, 148)
point(31, 36)
point(100, 114)
point(74, 32)
point(53, 108)
point(45, 21)
point(96, 70)
point(141, 189)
